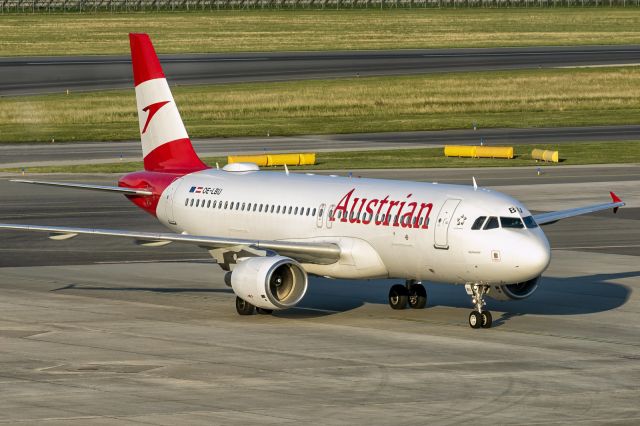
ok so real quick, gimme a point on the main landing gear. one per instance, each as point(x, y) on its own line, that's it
point(412, 294)
point(245, 308)
point(478, 318)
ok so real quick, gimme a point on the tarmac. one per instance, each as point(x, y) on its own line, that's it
point(98, 331)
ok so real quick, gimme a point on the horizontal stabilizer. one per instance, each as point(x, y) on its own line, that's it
point(125, 191)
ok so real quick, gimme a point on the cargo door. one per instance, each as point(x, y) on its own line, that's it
point(441, 233)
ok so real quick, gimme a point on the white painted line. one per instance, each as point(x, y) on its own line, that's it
point(633, 64)
point(327, 311)
point(596, 247)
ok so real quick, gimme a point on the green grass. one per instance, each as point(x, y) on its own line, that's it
point(525, 98)
point(275, 30)
point(570, 154)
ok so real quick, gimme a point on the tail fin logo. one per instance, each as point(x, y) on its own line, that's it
point(152, 109)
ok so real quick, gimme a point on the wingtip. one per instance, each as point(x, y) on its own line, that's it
point(614, 197)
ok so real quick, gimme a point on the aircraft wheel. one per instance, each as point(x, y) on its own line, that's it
point(398, 296)
point(475, 319)
point(487, 320)
point(417, 296)
point(263, 311)
point(243, 307)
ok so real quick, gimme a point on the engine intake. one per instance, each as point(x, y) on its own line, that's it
point(517, 291)
point(275, 282)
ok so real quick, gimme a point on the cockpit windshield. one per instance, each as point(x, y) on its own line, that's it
point(511, 222)
point(505, 222)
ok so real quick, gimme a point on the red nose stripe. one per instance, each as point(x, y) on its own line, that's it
point(146, 65)
point(176, 156)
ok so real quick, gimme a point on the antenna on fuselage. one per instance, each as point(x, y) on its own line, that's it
point(217, 166)
point(286, 169)
point(475, 184)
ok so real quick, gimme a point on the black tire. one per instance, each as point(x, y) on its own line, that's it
point(263, 311)
point(398, 296)
point(243, 307)
point(487, 320)
point(417, 296)
point(475, 319)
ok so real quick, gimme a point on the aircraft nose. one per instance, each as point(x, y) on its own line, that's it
point(537, 254)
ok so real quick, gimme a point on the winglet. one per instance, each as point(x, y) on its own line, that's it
point(615, 198)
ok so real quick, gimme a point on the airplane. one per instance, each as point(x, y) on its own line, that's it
point(271, 230)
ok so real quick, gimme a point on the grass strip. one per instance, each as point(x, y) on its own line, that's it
point(275, 30)
point(522, 98)
point(570, 154)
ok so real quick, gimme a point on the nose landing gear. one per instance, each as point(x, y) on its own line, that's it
point(478, 318)
point(412, 293)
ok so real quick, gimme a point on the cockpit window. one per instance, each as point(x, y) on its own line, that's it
point(530, 222)
point(492, 223)
point(511, 222)
point(478, 223)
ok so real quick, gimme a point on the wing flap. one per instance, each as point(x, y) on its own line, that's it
point(317, 253)
point(552, 217)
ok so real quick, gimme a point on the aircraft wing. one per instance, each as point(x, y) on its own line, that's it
point(552, 217)
point(317, 253)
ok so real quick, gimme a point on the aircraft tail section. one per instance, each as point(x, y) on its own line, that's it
point(166, 146)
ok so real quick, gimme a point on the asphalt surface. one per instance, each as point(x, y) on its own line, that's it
point(28, 155)
point(22, 76)
point(152, 337)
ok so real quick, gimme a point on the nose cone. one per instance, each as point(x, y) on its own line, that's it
point(536, 254)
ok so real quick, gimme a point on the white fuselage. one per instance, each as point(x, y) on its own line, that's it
point(385, 228)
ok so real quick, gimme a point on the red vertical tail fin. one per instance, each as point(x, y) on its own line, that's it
point(165, 143)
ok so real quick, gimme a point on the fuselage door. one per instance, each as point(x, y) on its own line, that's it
point(320, 217)
point(330, 213)
point(169, 199)
point(441, 233)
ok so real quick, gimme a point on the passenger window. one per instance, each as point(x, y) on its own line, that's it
point(278, 210)
point(478, 223)
point(231, 206)
point(308, 211)
point(191, 203)
point(226, 204)
point(314, 213)
point(511, 222)
point(272, 208)
point(243, 205)
point(492, 223)
point(214, 204)
point(198, 203)
point(203, 204)
point(186, 201)
point(238, 205)
point(295, 211)
point(249, 207)
point(530, 222)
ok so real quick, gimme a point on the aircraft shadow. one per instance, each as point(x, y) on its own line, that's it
point(554, 296)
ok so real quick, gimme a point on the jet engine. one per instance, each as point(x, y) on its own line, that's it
point(517, 291)
point(274, 282)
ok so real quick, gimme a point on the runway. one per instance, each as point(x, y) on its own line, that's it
point(23, 76)
point(29, 155)
point(102, 331)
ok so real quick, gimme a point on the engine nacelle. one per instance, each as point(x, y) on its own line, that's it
point(517, 291)
point(274, 282)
